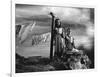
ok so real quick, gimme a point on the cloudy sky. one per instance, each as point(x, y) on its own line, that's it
point(82, 18)
point(41, 13)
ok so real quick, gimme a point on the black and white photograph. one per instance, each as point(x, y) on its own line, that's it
point(53, 38)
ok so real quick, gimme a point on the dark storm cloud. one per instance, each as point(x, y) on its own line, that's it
point(26, 6)
point(92, 15)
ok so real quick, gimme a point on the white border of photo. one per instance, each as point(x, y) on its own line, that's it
point(68, 73)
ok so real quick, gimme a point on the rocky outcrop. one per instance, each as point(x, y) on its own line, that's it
point(77, 60)
point(71, 61)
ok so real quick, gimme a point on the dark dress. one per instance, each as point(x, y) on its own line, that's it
point(59, 43)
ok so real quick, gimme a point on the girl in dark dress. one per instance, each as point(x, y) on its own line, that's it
point(59, 39)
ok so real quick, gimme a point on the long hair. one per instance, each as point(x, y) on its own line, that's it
point(57, 23)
